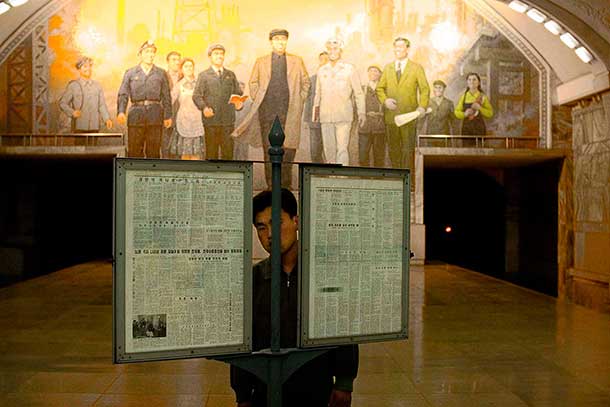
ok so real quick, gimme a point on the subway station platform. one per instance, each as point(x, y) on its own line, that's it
point(474, 341)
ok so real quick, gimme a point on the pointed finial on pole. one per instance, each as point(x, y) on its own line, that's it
point(276, 135)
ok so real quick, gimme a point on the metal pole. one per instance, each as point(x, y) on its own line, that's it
point(276, 152)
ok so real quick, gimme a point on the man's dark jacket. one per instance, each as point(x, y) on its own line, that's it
point(312, 384)
point(153, 89)
point(215, 91)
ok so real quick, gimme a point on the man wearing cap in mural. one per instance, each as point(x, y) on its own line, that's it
point(147, 86)
point(279, 85)
point(83, 100)
point(337, 86)
point(403, 88)
point(211, 95)
point(441, 120)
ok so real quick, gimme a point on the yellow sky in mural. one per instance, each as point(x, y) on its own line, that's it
point(91, 27)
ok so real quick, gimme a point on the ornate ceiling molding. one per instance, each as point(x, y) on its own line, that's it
point(589, 20)
point(27, 28)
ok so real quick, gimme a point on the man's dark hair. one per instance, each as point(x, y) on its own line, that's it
point(406, 41)
point(439, 83)
point(322, 53)
point(172, 53)
point(262, 201)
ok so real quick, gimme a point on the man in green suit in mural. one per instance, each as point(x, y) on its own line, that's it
point(402, 88)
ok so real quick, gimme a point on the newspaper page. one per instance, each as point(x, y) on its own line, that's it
point(184, 260)
point(356, 256)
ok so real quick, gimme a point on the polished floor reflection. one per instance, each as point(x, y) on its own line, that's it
point(474, 341)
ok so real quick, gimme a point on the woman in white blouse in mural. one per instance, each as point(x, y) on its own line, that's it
point(188, 140)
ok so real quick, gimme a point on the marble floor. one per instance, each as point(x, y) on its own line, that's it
point(474, 341)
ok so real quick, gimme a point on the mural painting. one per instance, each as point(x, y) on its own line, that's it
point(448, 39)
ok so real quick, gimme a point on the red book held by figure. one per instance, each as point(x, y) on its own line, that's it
point(237, 98)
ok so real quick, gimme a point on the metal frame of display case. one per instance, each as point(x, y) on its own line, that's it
point(121, 168)
point(316, 170)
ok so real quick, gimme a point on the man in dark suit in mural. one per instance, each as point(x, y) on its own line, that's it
point(147, 86)
point(211, 95)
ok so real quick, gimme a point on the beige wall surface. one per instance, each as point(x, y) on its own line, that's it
point(588, 279)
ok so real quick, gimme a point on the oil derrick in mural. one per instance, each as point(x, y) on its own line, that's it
point(195, 18)
point(380, 19)
point(206, 20)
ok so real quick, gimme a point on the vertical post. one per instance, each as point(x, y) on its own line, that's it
point(276, 152)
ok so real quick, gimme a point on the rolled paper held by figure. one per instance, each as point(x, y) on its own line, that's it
point(405, 118)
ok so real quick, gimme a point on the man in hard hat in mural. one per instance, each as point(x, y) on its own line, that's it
point(147, 86)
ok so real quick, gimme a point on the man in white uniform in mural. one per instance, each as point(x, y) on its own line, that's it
point(337, 87)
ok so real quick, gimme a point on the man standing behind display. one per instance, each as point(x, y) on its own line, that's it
point(279, 85)
point(147, 87)
point(398, 89)
point(324, 381)
point(212, 94)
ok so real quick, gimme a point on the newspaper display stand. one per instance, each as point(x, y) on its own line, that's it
point(182, 262)
point(182, 278)
point(354, 235)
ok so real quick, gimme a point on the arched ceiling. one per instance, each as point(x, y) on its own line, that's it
point(13, 19)
point(588, 20)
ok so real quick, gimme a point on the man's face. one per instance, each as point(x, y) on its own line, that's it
point(148, 55)
point(439, 90)
point(278, 44)
point(323, 59)
point(173, 63)
point(86, 70)
point(374, 74)
point(217, 57)
point(289, 228)
point(334, 52)
point(401, 51)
